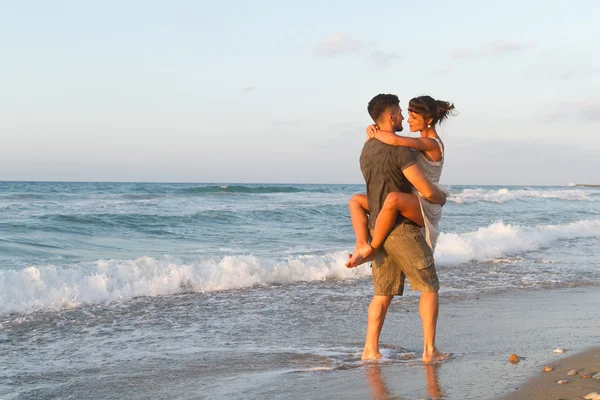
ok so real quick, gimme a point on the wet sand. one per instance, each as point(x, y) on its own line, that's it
point(481, 333)
point(545, 386)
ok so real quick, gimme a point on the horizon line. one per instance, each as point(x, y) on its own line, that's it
point(278, 183)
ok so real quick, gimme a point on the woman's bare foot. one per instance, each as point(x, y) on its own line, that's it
point(433, 356)
point(362, 253)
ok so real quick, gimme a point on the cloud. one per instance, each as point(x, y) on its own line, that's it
point(490, 49)
point(441, 71)
point(248, 89)
point(186, 17)
point(383, 59)
point(586, 110)
point(337, 44)
point(578, 71)
point(563, 73)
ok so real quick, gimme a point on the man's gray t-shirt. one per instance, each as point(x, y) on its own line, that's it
point(382, 167)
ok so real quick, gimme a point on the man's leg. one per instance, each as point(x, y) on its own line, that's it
point(377, 310)
point(379, 389)
point(409, 249)
point(433, 384)
point(428, 309)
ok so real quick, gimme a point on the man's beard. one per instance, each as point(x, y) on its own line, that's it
point(400, 129)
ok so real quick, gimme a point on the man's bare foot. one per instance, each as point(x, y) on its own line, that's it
point(361, 254)
point(371, 352)
point(370, 355)
point(433, 356)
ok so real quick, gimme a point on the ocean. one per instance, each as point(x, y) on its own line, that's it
point(164, 290)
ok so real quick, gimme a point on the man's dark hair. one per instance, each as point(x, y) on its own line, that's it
point(380, 103)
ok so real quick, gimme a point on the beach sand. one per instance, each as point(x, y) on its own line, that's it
point(545, 386)
point(481, 333)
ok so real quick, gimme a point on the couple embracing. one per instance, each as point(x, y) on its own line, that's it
point(401, 211)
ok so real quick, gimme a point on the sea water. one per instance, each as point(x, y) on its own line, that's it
point(192, 290)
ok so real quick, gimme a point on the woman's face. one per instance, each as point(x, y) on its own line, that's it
point(416, 122)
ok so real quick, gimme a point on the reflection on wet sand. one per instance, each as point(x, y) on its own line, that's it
point(376, 380)
point(380, 391)
point(432, 383)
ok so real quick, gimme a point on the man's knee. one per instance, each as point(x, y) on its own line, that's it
point(382, 301)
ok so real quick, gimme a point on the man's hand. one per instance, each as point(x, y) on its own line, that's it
point(427, 189)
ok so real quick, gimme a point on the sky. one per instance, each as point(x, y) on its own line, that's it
point(271, 91)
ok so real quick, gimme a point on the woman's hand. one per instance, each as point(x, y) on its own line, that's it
point(372, 131)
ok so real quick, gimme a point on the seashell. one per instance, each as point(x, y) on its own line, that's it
point(592, 396)
point(597, 376)
point(572, 372)
point(585, 375)
point(559, 350)
point(564, 381)
point(513, 358)
point(547, 368)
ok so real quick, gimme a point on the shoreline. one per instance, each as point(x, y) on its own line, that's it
point(544, 385)
point(482, 332)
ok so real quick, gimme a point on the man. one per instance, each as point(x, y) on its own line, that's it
point(405, 252)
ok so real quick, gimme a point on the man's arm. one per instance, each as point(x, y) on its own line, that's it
point(429, 191)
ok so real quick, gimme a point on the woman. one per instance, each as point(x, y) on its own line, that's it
point(424, 114)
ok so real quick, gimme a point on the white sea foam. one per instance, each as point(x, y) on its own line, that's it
point(56, 287)
point(504, 195)
point(499, 239)
point(51, 287)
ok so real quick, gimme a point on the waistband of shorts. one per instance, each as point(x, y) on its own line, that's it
point(404, 228)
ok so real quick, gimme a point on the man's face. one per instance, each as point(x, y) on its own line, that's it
point(397, 118)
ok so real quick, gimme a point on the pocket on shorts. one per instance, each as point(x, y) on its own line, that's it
point(423, 255)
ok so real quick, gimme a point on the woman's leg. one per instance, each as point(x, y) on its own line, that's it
point(359, 207)
point(406, 204)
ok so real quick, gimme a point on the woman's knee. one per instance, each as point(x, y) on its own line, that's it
point(357, 200)
point(393, 201)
